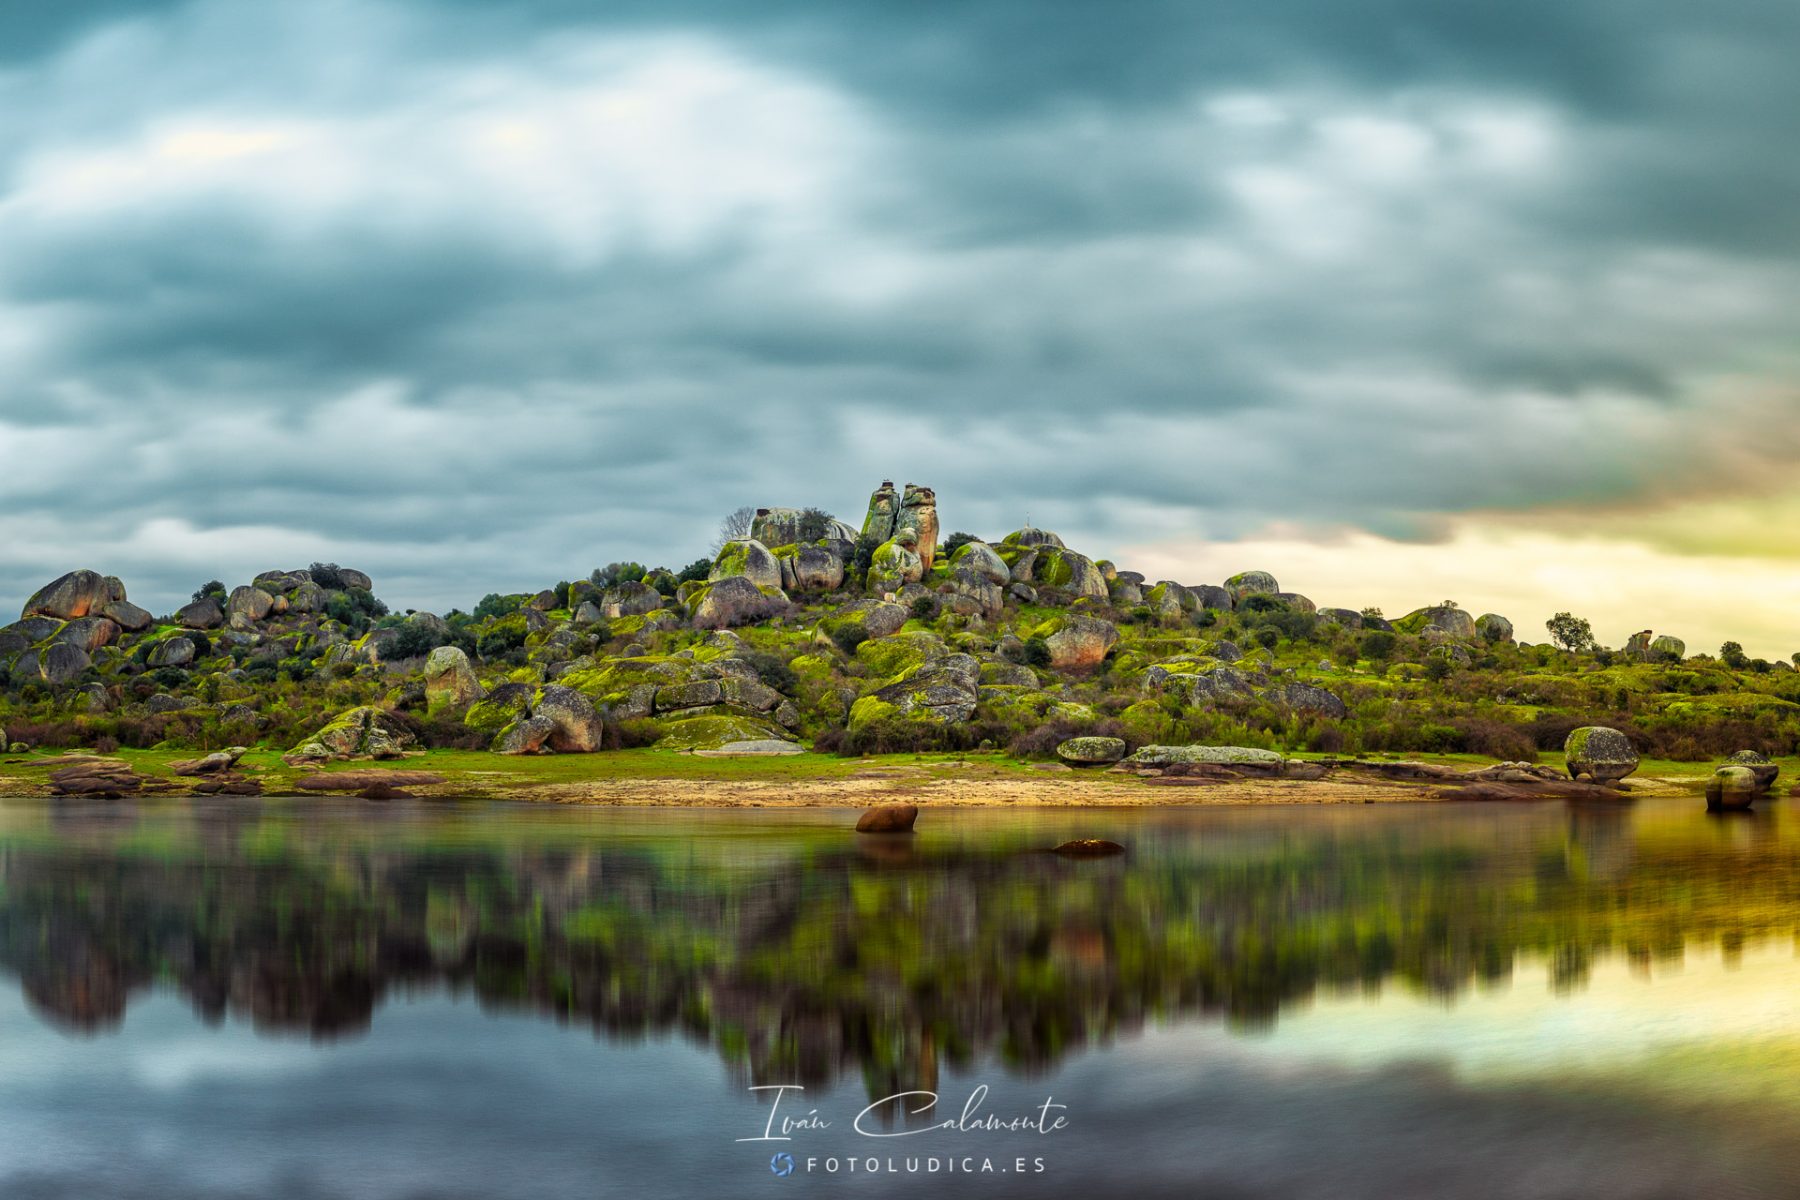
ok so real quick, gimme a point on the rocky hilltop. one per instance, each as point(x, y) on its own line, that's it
point(812, 633)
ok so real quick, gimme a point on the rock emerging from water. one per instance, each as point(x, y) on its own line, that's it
point(888, 818)
point(1732, 788)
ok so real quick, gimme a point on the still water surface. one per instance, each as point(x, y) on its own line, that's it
point(343, 999)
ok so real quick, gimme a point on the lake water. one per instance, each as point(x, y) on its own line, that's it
point(319, 999)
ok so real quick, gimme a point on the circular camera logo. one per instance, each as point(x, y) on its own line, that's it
point(782, 1164)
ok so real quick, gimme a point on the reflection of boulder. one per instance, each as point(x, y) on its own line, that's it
point(76, 985)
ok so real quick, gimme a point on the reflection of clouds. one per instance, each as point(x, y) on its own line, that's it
point(1524, 1027)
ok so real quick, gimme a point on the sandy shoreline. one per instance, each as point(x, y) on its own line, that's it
point(941, 783)
point(976, 793)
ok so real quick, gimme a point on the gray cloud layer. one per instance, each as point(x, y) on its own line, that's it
point(477, 296)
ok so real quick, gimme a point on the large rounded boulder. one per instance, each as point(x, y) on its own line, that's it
point(577, 728)
point(1055, 567)
point(1602, 754)
point(1758, 765)
point(820, 568)
point(251, 603)
point(894, 565)
point(749, 559)
point(735, 600)
point(1250, 583)
point(74, 595)
point(1031, 536)
point(201, 614)
point(1492, 627)
point(979, 557)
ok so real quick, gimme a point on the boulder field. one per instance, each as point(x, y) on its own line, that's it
point(888, 636)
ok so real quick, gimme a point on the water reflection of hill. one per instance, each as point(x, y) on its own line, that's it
point(814, 956)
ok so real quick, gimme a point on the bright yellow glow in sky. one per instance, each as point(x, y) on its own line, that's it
point(1622, 573)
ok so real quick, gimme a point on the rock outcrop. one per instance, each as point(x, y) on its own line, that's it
point(75, 595)
point(918, 516)
point(884, 513)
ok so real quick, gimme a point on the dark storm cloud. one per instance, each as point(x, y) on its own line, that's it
point(479, 295)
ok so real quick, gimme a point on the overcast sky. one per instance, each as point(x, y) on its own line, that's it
point(475, 296)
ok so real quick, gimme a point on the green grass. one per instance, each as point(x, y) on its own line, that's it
point(497, 774)
point(486, 774)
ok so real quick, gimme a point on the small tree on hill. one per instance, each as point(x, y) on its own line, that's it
point(957, 541)
point(619, 572)
point(1733, 656)
point(735, 527)
point(814, 522)
point(1572, 633)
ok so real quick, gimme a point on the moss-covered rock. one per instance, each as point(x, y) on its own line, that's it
point(362, 732)
point(1250, 583)
point(942, 689)
point(714, 731)
point(1030, 536)
point(1758, 765)
point(1091, 751)
point(1493, 629)
point(450, 680)
point(1078, 643)
point(749, 559)
point(1438, 622)
point(894, 565)
point(1732, 788)
point(499, 708)
point(735, 600)
point(1227, 756)
point(1605, 755)
point(980, 558)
